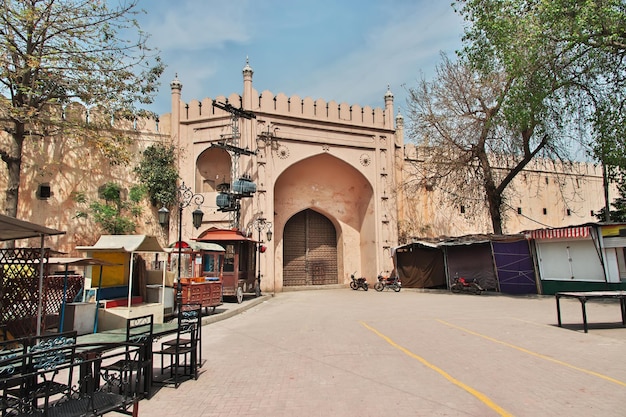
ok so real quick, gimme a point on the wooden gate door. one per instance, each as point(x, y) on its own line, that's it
point(310, 250)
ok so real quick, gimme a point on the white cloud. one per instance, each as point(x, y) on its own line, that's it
point(207, 42)
point(396, 54)
point(191, 25)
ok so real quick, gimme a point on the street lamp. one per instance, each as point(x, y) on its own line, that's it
point(260, 224)
point(185, 198)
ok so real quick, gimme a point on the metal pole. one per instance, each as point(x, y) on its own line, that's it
point(64, 301)
point(258, 250)
point(95, 321)
point(605, 185)
point(179, 285)
point(185, 198)
point(40, 298)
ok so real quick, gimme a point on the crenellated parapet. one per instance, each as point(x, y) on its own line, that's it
point(290, 106)
point(79, 113)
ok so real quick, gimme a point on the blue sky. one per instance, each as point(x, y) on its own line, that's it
point(342, 50)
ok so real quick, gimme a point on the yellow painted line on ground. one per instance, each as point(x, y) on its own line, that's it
point(482, 397)
point(538, 355)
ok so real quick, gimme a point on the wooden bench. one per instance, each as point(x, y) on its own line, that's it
point(66, 380)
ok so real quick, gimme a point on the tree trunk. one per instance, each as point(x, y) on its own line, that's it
point(494, 199)
point(493, 193)
point(13, 160)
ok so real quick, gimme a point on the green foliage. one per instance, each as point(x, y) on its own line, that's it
point(610, 127)
point(565, 60)
point(157, 171)
point(617, 215)
point(53, 53)
point(116, 216)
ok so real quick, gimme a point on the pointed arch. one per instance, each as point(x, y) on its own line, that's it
point(213, 167)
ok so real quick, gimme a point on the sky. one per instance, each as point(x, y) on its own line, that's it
point(343, 50)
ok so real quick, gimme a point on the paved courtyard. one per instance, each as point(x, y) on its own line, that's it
point(353, 353)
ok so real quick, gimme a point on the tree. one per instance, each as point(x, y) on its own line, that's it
point(53, 53)
point(470, 142)
point(157, 171)
point(116, 215)
point(570, 53)
point(619, 204)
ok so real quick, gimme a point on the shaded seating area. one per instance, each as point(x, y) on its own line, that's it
point(55, 376)
point(65, 375)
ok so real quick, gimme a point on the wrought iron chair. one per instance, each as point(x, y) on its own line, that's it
point(186, 341)
point(183, 350)
point(75, 367)
point(46, 352)
point(29, 355)
point(139, 331)
point(12, 365)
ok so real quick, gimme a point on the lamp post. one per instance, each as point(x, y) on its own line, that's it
point(260, 224)
point(185, 198)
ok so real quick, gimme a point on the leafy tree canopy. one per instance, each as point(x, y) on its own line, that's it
point(618, 214)
point(570, 55)
point(157, 171)
point(55, 52)
point(116, 215)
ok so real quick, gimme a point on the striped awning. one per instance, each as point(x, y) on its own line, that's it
point(577, 232)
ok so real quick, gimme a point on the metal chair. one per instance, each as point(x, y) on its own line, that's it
point(45, 360)
point(185, 341)
point(139, 331)
point(183, 350)
point(12, 364)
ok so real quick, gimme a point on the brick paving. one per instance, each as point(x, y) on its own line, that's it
point(340, 352)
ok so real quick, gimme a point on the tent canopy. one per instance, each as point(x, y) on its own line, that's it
point(195, 246)
point(79, 261)
point(124, 243)
point(12, 229)
point(215, 234)
point(420, 265)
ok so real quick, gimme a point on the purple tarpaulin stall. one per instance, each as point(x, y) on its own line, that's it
point(514, 266)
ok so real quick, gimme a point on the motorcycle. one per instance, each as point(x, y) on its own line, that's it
point(392, 282)
point(461, 284)
point(357, 283)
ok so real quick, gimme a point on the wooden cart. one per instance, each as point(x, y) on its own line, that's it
point(238, 261)
point(201, 272)
point(207, 293)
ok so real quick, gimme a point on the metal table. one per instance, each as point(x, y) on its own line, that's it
point(119, 335)
point(584, 296)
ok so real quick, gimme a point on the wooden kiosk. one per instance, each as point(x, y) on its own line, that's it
point(201, 272)
point(238, 276)
point(121, 289)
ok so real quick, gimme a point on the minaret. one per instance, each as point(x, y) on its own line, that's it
point(388, 109)
point(399, 130)
point(176, 87)
point(247, 86)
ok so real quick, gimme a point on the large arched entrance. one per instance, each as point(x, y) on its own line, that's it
point(309, 250)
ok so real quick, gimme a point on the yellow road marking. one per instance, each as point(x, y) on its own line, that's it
point(538, 355)
point(482, 397)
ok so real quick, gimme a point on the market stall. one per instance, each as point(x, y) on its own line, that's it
point(15, 267)
point(238, 275)
point(122, 289)
point(587, 257)
point(201, 269)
